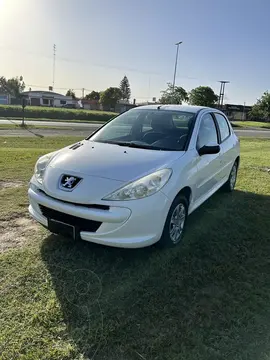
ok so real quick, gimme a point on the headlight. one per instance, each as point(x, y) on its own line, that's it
point(146, 186)
point(41, 165)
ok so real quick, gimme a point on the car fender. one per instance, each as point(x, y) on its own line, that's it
point(184, 175)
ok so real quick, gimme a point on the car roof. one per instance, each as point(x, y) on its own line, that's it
point(186, 108)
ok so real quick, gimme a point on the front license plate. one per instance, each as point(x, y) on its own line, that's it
point(60, 228)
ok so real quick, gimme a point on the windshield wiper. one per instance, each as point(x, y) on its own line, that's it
point(137, 145)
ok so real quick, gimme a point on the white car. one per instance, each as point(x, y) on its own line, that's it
point(135, 180)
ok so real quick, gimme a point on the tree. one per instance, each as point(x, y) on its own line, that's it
point(94, 95)
point(173, 96)
point(110, 96)
point(203, 96)
point(14, 86)
point(71, 93)
point(125, 88)
point(261, 110)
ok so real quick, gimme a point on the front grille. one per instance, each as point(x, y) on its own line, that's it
point(80, 223)
point(89, 206)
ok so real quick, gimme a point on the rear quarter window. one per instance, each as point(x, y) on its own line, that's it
point(223, 126)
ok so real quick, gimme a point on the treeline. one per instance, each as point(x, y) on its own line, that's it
point(201, 96)
point(205, 96)
point(109, 97)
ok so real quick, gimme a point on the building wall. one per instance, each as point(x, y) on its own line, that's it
point(39, 99)
point(238, 115)
point(237, 112)
point(4, 99)
point(58, 102)
point(34, 101)
point(87, 106)
point(120, 108)
point(90, 104)
point(45, 101)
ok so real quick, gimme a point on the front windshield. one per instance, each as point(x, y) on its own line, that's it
point(148, 129)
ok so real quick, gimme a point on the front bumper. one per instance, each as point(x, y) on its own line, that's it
point(130, 224)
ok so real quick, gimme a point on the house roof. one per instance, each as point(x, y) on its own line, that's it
point(42, 92)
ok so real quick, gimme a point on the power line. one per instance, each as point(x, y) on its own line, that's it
point(57, 88)
point(54, 52)
point(106, 66)
point(79, 61)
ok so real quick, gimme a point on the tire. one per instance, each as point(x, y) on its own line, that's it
point(170, 237)
point(230, 183)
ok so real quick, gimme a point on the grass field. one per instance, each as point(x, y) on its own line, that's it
point(206, 299)
point(18, 127)
point(38, 112)
point(256, 124)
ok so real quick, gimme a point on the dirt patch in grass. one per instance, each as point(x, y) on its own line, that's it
point(265, 169)
point(10, 184)
point(261, 168)
point(15, 232)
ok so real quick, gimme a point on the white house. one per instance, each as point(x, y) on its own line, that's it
point(47, 98)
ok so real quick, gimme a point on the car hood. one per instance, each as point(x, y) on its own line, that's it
point(111, 161)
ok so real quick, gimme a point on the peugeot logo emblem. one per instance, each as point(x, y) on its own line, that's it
point(69, 182)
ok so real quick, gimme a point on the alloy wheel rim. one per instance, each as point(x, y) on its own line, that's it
point(233, 177)
point(177, 223)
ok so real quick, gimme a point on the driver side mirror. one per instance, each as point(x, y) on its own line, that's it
point(209, 149)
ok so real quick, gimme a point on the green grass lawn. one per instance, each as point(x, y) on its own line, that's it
point(206, 299)
point(257, 124)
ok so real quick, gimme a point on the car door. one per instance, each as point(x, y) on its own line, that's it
point(208, 165)
point(226, 144)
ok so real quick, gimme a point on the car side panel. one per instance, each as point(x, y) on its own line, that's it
point(230, 149)
point(204, 175)
point(201, 176)
point(209, 169)
point(209, 173)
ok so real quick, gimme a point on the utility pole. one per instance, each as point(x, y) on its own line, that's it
point(222, 92)
point(243, 114)
point(176, 60)
point(54, 53)
point(149, 86)
point(83, 93)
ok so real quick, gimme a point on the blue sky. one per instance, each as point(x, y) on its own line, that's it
point(100, 41)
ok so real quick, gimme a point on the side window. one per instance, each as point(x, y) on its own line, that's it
point(223, 126)
point(207, 132)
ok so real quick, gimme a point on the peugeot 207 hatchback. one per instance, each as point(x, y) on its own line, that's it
point(134, 181)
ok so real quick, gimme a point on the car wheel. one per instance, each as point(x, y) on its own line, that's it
point(175, 223)
point(230, 184)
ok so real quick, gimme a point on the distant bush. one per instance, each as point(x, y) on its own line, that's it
point(38, 112)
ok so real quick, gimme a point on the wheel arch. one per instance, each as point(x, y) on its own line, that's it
point(187, 192)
